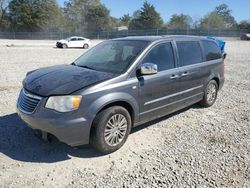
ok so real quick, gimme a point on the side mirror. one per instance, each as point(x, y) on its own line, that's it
point(224, 55)
point(148, 68)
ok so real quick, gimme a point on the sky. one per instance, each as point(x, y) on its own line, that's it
point(195, 8)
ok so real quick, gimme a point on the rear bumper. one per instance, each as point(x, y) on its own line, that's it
point(73, 132)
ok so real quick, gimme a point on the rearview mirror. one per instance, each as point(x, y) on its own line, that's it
point(148, 68)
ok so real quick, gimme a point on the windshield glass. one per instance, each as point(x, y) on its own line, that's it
point(112, 56)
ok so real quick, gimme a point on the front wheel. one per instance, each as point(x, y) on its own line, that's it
point(210, 95)
point(111, 128)
point(64, 46)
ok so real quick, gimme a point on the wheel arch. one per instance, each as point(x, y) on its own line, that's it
point(121, 103)
point(217, 81)
point(214, 77)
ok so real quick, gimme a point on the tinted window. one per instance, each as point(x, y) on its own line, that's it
point(127, 53)
point(189, 52)
point(73, 39)
point(80, 39)
point(161, 55)
point(211, 50)
point(112, 56)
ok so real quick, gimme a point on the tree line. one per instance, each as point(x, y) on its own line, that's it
point(92, 15)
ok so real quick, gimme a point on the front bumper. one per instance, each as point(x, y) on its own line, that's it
point(58, 45)
point(67, 128)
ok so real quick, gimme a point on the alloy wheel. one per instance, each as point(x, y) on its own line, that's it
point(211, 93)
point(115, 129)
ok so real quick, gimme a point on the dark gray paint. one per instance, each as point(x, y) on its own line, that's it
point(62, 79)
point(150, 96)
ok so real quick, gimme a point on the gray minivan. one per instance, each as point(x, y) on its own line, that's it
point(119, 84)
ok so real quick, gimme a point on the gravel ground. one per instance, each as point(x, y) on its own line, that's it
point(202, 147)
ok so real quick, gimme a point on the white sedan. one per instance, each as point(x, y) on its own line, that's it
point(74, 42)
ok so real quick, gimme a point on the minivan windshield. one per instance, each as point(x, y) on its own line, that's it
point(112, 56)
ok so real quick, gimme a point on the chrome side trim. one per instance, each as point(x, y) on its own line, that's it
point(173, 95)
point(171, 103)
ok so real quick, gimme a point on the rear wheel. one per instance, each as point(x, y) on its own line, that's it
point(210, 95)
point(85, 46)
point(111, 128)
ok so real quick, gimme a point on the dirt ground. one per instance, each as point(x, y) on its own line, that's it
point(203, 147)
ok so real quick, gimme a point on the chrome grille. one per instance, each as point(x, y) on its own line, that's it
point(27, 103)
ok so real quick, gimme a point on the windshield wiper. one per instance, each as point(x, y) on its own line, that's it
point(86, 67)
point(83, 66)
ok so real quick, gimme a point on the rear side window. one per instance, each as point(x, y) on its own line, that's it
point(212, 51)
point(161, 55)
point(189, 52)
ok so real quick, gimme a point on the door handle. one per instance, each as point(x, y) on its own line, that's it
point(174, 76)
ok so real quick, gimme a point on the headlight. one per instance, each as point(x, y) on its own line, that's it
point(64, 103)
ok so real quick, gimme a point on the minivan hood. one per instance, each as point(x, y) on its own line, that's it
point(62, 80)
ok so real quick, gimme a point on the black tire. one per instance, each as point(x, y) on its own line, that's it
point(210, 96)
point(100, 126)
point(64, 46)
point(85, 46)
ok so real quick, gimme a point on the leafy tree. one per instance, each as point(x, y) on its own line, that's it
point(97, 18)
point(80, 13)
point(114, 22)
point(147, 18)
point(4, 19)
point(212, 21)
point(75, 13)
point(196, 24)
point(51, 17)
point(136, 24)
point(180, 22)
point(34, 15)
point(226, 14)
point(125, 20)
point(3, 7)
point(136, 14)
point(245, 24)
